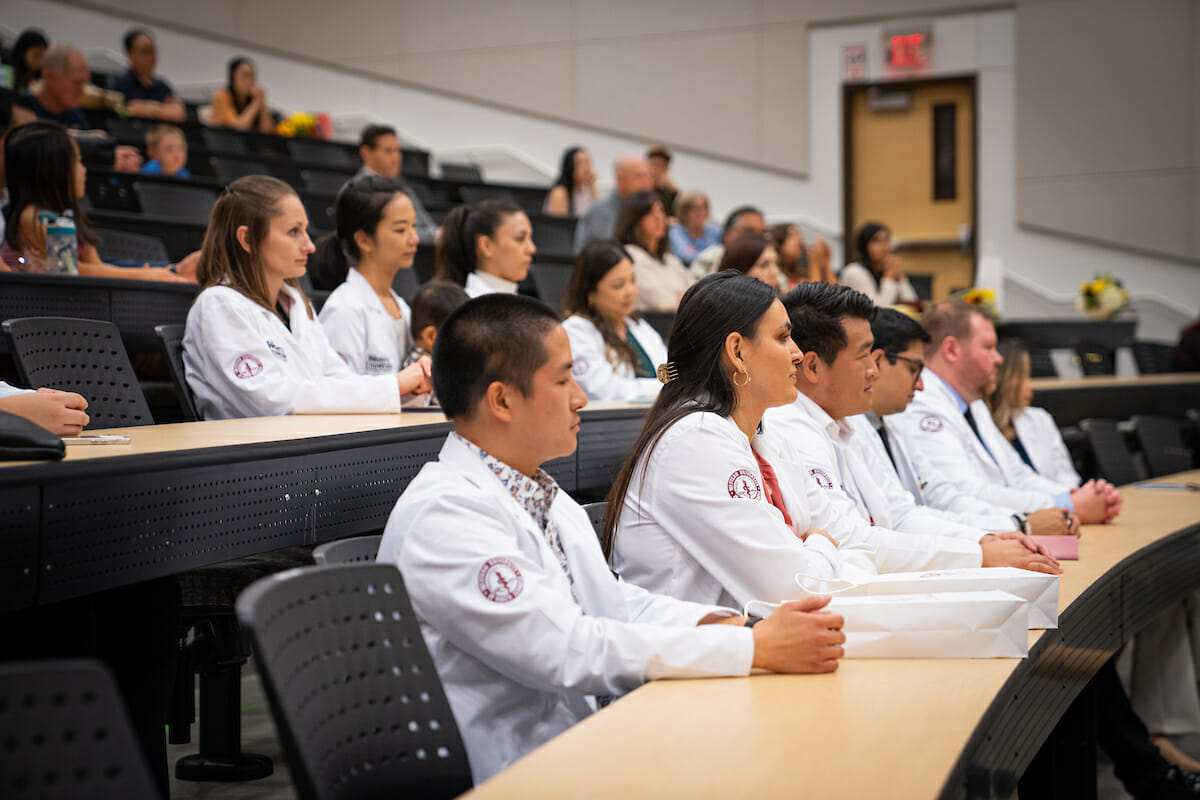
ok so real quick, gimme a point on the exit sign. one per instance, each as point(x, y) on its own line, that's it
point(908, 50)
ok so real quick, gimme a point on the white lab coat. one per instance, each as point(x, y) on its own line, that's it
point(1039, 433)
point(242, 361)
point(921, 482)
point(362, 331)
point(517, 672)
point(696, 523)
point(818, 444)
point(887, 292)
point(8, 390)
point(599, 378)
point(933, 424)
point(889, 503)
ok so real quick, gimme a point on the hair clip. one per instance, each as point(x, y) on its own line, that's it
point(667, 372)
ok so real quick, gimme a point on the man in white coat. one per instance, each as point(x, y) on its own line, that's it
point(831, 325)
point(899, 361)
point(521, 613)
point(950, 425)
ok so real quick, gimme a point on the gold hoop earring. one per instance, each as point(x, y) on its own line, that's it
point(744, 383)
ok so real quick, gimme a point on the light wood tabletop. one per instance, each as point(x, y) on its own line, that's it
point(875, 728)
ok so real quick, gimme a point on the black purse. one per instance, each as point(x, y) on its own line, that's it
point(22, 440)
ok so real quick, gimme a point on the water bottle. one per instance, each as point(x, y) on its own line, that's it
point(62, 248)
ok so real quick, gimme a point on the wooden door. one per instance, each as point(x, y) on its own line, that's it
point(910, 164)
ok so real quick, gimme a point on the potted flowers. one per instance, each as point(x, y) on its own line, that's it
point(1103, 297)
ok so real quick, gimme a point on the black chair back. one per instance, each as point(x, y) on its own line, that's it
point(1109, 453)
point(190, 203)
point(80, 355)
point(406, 284)
point(355, 550)
point(127, 131)
point(126, 246)
point(360, 710)
point(554, 235)
point(225, 141)
point(473, 194)
point(595, 512)
point(1153, 357)
point(1161, 445)
point(172, 342)
point(551, 283)
point(319, 181)
point(228, 170)
point(467, 173)
point(661, 321)
point(326, 154)
point(67, 734)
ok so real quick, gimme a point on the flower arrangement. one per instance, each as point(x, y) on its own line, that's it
point(301, 124)
point(979, 296)
point(1103, 297)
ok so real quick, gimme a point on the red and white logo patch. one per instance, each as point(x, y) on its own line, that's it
point(822, 478)
point(500, 581)
point(246, 366)
point(931, 424)
point(744, 484)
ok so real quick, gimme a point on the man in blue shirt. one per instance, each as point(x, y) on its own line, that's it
point(146, 95)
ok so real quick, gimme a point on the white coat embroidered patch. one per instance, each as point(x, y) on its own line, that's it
point(247, 366)
point(500, 581)
point(744, 484)
point(931, 423)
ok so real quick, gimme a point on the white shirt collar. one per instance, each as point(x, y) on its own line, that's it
point(836, 429)
point(496, 283)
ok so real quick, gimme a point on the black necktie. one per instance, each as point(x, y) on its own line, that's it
point(887, 445)
point(971, 421)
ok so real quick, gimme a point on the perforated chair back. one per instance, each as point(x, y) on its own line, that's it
point(172, 342)
point(1161, 445)
point(191, 203)
point(326, 154)
point(360, 710)
point(80, 355)
point(405, 284)
point(323, 182)
point(551, 282)
point(225, 141)
point(473, 194)
point(554, 235)
point(1153, 357)
point(355, 550)
point(595, 512)
point(125, 246)
point(1112, 458)
point(228, 170)
point(66, 734)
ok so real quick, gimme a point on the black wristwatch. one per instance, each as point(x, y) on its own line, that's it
point(752, 621)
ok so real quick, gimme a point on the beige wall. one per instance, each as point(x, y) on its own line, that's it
point(1108, 121)
point(720, 77)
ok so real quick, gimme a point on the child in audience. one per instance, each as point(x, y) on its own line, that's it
point(45, 173)
point(431, 305)
point(367, 323)
point(486, 247)
point(253, 346)
point(522, 616)
point(167, 148)
point(242, 104)
point(642, 228)
point(616, 351)
point(753, 255)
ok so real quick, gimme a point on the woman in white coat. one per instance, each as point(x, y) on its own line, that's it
point(485, 247)
point(253, 346)
point(704, 506)
point(367, 323)
point(615, 352)
point(1032, 432)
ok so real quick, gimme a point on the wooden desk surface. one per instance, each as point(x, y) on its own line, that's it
point(1112, 381)
point(875, 728)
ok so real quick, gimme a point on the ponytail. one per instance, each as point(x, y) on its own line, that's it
point(456, 255)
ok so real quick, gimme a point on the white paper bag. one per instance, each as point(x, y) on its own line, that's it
point(1037, 589)
point(987, 624)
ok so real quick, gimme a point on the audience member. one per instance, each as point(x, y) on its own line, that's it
point(379, 149)
point(642, 228)
point(366, 322)
point(659, 159)
point(878, 272)
point(242, 104)
point(1032, 432)
point(753, 255)
point(1187, 351)
point(575, 190)
point(523, 565)
point(432, 305)
point(27, 55)
point(798, 263)
point(167, 147)
point(14, 111)
point(952, 427)
point(742, 220)
point(253, 346)
point(485, 247)
point(693, 232)
point(616, 352)
point(45, 173)
point(632, 174)
point(65, 73)
point(146, 95)
point(705, 507)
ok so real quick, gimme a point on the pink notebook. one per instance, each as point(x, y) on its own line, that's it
point(1064, 548)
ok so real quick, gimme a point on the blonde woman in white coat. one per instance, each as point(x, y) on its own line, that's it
point(486, 247)
point(615, 351)
point(253, 346)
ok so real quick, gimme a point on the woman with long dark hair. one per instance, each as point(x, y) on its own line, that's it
point(878, 272)
point(242, 104)
point(575, 190)
point(753, 255)
point(27, 55)
point(642, 227)
point(705, 505)
point(485, 247)
point(615, 351)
